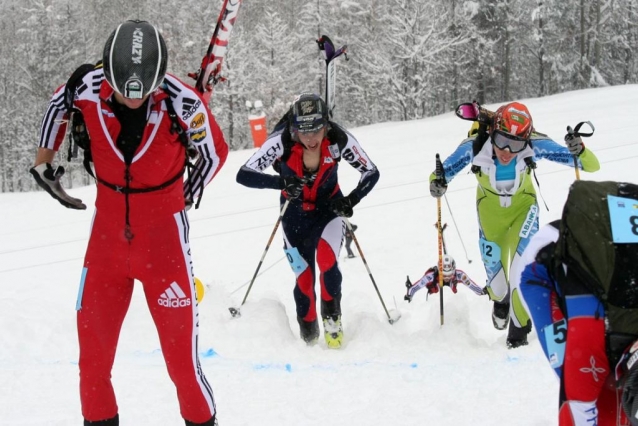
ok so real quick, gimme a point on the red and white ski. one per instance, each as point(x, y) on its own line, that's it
point(209, 73)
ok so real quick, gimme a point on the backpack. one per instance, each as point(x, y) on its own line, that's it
point(79, 137)
point(596, 258)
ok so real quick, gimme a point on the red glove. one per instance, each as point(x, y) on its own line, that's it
point(432, 287)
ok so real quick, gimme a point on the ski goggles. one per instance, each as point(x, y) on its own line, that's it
point(512, 143)
point(309, 123)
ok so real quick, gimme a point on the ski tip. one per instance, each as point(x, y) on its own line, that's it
point(234, 312)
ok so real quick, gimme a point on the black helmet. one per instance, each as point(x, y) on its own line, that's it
point(629, 368)
point(309, 113)
point(134, 59)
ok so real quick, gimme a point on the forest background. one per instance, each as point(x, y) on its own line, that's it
point(409, 59)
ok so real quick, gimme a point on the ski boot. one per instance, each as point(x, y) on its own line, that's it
point(333, 331)
point(211, 422)
point(517, 336)
point(309, 331)
point(331, 314)
point(500, 314)
point(408, 285)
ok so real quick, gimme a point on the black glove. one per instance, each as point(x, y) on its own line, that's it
point(49, 180)
point(438, 188)
point(292, 186)
point(343, 206)
point(574, 144)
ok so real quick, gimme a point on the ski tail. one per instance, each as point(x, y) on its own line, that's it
point(209, 73)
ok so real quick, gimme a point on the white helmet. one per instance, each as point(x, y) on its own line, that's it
point(449, 267)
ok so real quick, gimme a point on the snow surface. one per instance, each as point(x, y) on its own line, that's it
point(411, 373)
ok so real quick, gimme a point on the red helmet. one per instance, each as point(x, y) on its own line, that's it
point(514, 119)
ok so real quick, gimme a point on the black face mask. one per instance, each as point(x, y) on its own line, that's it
point(133, 123)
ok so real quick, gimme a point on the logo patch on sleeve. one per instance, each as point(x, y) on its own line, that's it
point(198, 120)
point(198, 136)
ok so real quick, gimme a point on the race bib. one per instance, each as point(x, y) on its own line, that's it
point(490, 252)
point(297, 263)
point(623, 214)
point(555, 339)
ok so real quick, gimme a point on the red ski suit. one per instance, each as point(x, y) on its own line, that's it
point(155, 250)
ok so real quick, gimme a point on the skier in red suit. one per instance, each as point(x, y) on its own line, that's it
point(133, 112)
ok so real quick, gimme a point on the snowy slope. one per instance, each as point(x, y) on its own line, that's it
point(412, 372)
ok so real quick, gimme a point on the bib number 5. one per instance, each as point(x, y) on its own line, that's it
point(555, 339)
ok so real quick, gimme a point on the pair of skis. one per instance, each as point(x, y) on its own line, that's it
point(330, 54)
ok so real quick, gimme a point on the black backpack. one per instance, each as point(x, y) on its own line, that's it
point(607, 269)
point(78, 135)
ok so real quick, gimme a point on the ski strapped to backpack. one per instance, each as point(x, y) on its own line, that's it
point(482, 119)
point(330, 54)
point(209, 72)
point(336, 134)
point(598, 242)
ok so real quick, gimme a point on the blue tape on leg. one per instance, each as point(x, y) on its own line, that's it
point(78, 302)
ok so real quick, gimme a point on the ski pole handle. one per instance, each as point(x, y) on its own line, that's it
point(575, 132)
point(571, 132)
point(440, 174)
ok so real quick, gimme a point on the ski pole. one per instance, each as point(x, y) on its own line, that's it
point(363, 258)
point(443, 228)
point(457, 229)
point(439, 175)
point(235, 311)
point(576, 133)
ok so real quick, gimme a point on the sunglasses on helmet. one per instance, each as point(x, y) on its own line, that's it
point(512, 143)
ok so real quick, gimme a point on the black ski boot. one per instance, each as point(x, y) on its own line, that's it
point(517, 336)
point(211, 422)
point(331, 308)
point(114, 421)
point(308, 330)
point(501, 314)
point(408, 285)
